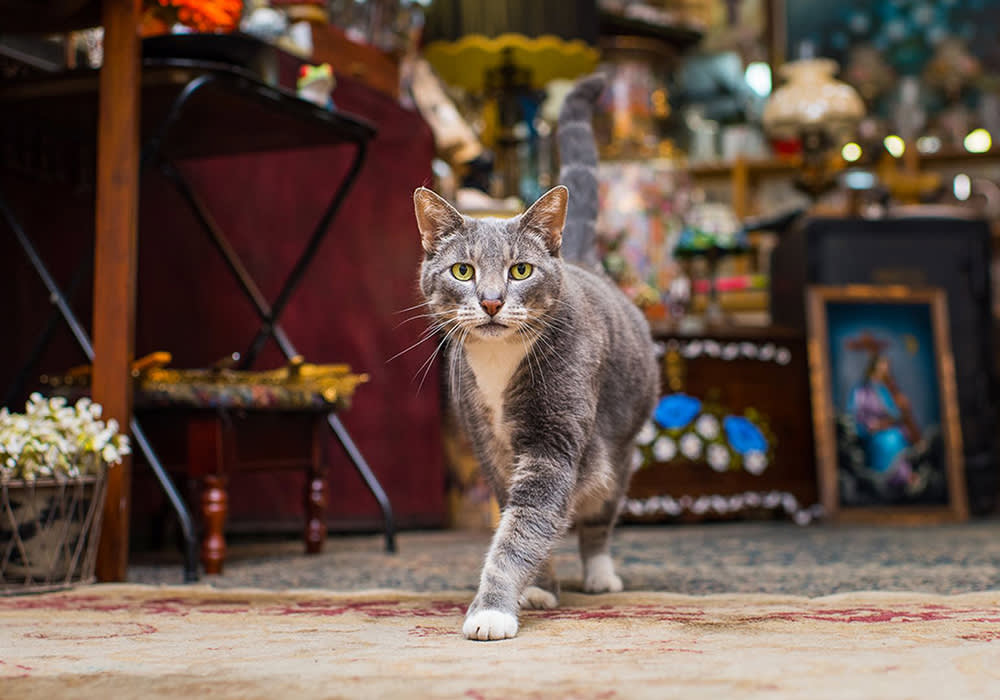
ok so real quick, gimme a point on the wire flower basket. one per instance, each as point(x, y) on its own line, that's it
point(49, 531)
point(54, 460)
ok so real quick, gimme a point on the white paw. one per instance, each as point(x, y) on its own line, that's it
point(489, 624)
point(599, 576)
point(538, 598)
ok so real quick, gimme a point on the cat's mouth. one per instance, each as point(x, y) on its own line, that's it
point(492, 329)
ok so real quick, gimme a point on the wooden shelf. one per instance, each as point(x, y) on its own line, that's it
point(743, 174)
point(782, 166)
point(953, 155)
point(752, 167)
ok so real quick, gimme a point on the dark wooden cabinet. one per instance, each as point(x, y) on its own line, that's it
point(732, 434)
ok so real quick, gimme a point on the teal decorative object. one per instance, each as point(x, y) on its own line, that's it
point(712, 231)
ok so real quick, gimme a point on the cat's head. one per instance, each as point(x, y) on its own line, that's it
point(490, 279)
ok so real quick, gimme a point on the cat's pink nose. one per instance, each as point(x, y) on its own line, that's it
point(491, 306)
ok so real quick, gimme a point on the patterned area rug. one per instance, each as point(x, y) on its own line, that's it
point(739, 557)
point(126, 641)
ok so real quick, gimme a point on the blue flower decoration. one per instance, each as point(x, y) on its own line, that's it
point(675, 411)
point(743, 435)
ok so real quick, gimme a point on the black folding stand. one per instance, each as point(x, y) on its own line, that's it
point(282, 121)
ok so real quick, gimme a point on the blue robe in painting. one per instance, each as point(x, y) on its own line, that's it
point(870, 402)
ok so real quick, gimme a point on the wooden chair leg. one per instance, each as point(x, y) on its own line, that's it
point(316, 494)
point(207, 466)
point(214, 509)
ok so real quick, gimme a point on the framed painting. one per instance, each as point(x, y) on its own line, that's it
point(885, 414)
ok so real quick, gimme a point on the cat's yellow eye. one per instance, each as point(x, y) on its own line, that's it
point(462, 271)
point(521, 271)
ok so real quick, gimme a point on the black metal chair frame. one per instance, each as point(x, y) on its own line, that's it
point(155, 153)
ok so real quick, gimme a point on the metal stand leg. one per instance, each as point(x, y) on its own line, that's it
point(61, 303)
point(270, 326)
point(369, 478)
point(270, 314)
point(269, 317)
point(30, 366)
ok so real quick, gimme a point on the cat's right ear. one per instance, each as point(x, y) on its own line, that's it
point(435, 217)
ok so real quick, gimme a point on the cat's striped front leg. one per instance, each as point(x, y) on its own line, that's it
point(534, 519)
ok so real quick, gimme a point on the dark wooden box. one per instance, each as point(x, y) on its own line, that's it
point(713, 385)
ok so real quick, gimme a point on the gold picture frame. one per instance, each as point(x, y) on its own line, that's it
point(885, 408)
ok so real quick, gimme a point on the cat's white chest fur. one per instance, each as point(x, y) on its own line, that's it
point(493, 365)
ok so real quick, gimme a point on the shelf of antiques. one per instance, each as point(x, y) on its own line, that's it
point(731, 435)
point(930, 170)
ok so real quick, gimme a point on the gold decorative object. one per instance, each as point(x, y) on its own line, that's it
point(674, 370)
point(297, 386)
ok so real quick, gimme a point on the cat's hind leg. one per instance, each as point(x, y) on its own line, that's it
point(543, 593)
point(594, 531)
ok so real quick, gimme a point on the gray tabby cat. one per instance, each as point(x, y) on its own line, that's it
point(551, 370)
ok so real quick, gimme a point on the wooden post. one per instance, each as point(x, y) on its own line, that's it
point(741, 188)
point(115, 258)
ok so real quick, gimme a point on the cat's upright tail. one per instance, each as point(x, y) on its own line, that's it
point(578, 171)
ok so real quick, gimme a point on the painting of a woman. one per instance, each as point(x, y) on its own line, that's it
point(878, 413)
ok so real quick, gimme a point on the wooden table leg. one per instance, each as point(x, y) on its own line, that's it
point(115, 258)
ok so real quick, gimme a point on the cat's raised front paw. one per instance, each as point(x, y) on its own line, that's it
point(538, 598)
point(484, 625)
point(600, 576)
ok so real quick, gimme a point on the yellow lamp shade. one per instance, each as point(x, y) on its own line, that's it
point(466, 62)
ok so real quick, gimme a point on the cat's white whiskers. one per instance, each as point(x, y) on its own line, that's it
point(426, 367)
point(455, 365)
point(415, 306)
point(537, 357)
point(432, 314)
point(532, 335)
point(425, 336)
point(527, 351)
point(540, 336)
point(550, 319)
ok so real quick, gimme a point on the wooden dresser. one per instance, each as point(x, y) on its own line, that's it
point(732, 434)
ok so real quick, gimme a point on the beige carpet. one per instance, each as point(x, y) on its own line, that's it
point(129, 641)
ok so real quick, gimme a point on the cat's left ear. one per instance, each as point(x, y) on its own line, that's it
point(435, 218)
point(548, 216)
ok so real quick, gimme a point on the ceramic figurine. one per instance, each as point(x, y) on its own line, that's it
point(315, 84)
point(264, 23)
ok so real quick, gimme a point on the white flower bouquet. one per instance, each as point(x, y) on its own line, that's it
point(53, 468)
point(53, 439)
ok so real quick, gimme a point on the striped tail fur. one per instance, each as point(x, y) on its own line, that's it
point(578, 171)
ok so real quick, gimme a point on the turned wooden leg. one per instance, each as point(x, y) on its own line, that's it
point(316, 495)
point(206, 442)
point(214, 508)
point(316, 501)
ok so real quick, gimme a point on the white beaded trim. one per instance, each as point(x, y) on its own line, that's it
point(696, 347)
point(724, 505)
